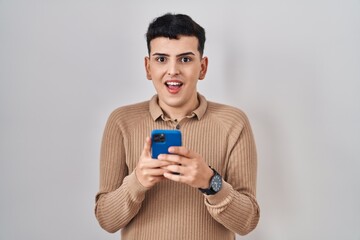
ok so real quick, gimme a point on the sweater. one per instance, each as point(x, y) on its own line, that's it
point(221, 134)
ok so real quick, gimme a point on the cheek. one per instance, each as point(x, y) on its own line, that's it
point(157, 72)
point(194, 72)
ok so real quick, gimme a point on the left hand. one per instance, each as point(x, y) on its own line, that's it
point(192, 168)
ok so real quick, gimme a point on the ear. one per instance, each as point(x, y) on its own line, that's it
point(147, 68)
point(204, 66)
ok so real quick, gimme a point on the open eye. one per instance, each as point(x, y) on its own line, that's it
point(160, 59)
point(185, 59)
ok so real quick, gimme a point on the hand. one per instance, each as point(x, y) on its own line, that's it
point(192, 168)
point(149, 171)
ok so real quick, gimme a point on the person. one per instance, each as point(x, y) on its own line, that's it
point(205, 189)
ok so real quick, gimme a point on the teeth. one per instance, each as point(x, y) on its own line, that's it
point(173, 83)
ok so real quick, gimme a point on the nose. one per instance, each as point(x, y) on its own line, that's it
point(173, 68)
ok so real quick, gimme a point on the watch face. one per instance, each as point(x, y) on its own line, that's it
point(216, 183)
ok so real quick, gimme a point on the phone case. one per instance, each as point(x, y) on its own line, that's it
point(161, 140)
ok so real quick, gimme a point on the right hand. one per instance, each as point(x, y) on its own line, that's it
point(149, 171)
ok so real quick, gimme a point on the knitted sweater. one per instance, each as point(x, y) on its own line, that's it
point(220, 134)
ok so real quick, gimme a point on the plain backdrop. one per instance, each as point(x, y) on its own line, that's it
point(292, 66)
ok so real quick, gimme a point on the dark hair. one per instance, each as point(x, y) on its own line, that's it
point(173, 26)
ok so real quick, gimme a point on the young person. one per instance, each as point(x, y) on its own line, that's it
point(213, 194)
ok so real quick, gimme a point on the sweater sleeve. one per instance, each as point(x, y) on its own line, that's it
point(235, 206)
point(121, 194)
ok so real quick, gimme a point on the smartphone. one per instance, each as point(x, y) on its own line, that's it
point(161, 140)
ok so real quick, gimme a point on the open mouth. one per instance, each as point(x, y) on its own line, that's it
point(173, 86)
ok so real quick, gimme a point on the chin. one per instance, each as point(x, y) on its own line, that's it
point(174, 104)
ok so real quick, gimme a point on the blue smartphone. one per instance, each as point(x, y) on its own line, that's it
point(161, 140)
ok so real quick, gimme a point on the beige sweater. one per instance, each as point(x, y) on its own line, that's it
point(170, 210)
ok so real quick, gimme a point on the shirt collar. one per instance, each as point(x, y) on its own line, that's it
point(156, 111)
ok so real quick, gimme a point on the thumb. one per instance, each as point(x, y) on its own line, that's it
point(147, 147)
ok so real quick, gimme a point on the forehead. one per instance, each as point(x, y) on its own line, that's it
point(174, 46)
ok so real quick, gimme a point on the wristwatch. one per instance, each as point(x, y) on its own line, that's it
point(215, 184)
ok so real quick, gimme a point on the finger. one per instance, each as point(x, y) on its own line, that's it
point(155, 179)
point(183, 151)
point(151, 163)
point(173, 158)
point(173, 177)
point(154, 172)
point(175, 169)
point(147, 147)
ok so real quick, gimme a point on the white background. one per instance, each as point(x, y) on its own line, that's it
point(292, 66)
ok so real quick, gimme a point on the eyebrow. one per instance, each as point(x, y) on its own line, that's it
point(179, 55)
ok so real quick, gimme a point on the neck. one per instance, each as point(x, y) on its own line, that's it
point(174, 112)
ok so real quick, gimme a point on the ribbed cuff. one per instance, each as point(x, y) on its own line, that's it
point(221, 197)
point(136, 189)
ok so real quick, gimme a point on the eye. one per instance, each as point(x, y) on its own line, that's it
point(160, 59)
point(185, 59)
